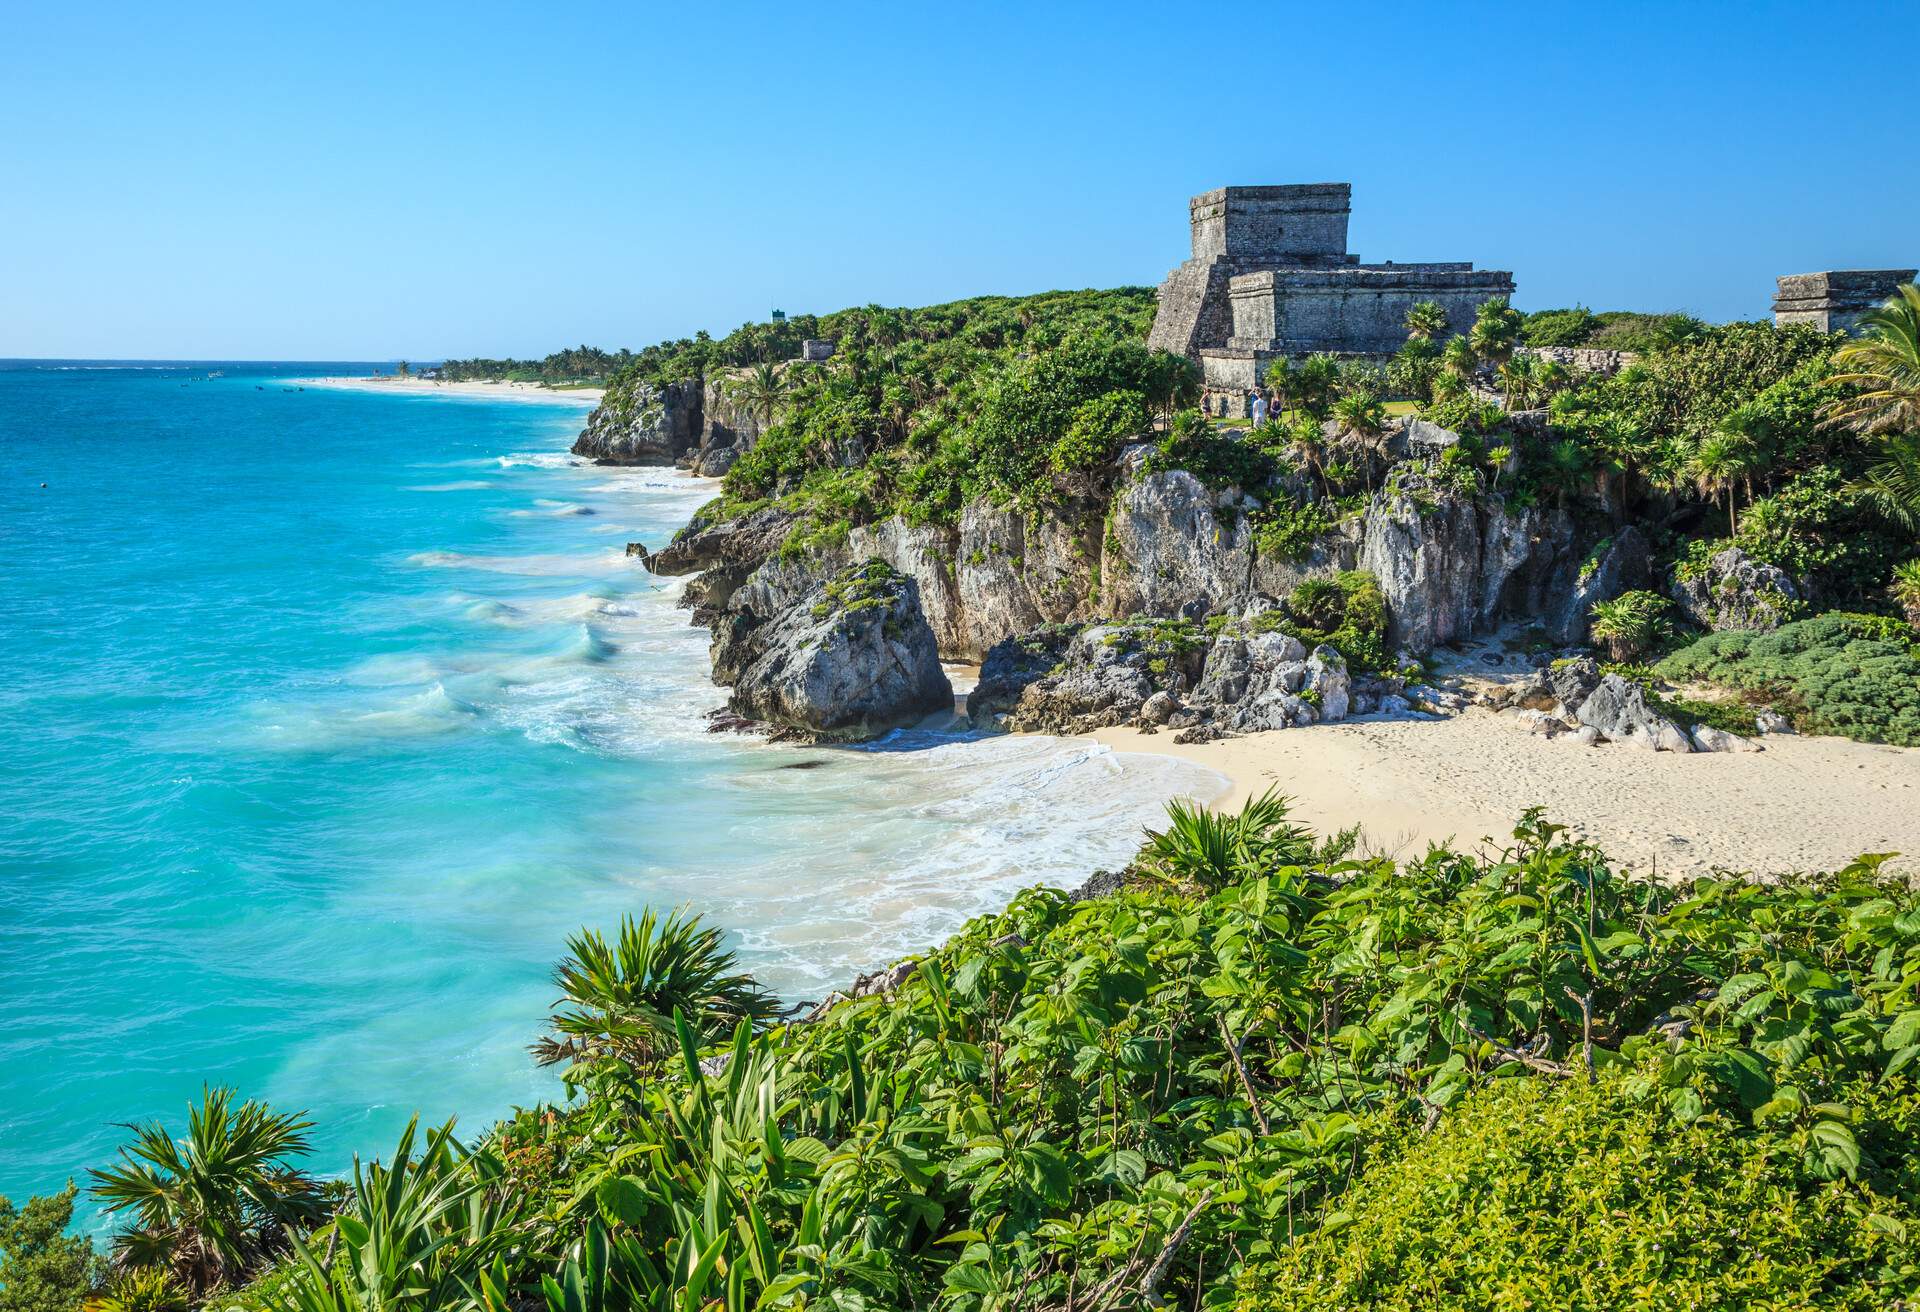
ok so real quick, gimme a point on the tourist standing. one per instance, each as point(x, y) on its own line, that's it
point(1259, 408)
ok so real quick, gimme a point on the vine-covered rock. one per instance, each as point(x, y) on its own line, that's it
point(1735, 591)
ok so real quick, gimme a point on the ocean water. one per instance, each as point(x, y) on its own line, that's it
point(326, 716)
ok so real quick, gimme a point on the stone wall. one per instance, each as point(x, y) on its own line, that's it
point(1291, 224)
point(1834, 300)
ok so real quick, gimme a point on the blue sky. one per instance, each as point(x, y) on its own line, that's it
point(345, 182)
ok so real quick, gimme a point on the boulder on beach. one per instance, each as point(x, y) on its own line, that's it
point(851, 659)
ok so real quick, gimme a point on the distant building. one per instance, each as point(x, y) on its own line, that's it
point(1270, 276)
point(815, 349)
point(1833, 301)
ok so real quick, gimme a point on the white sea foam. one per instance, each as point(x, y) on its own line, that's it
point(462, 485)
point(546, 565)
point(553, 510)
point(537, 460)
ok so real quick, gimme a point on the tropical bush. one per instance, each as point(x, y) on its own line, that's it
point(1632, 624)
point(42, 1267)
point(1905, 590)
point(1854, 675)
point(1569, 1194)
point(1348, 613)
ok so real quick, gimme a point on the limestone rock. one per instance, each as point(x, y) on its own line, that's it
point(1159, 708)
point(1708, 739)
point(1735, 591)
point(647, 426)
point(1623, 563)
point(1618, 709)
point(1012, 665)
point(1572, 682)
point(1104, 676)
point(1169, 543)
point(705, 544)
point(851, 660)
point(1772, 722)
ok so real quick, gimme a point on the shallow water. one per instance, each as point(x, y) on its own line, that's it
point(326, 716)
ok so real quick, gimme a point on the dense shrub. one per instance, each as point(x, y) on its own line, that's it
point(42, 1267)
point(1632, 624)
point(1212, 457)
point(1852, 675)
point(1570, 1195)
point(1347, 612)
point(1289, 530)
point(1097, 430)
point(1559, 327)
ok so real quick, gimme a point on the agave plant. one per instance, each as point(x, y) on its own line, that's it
point(1215, 850)
point(143, 1289)
point(416, 1233)
point(619, 998)
point(211, 1208)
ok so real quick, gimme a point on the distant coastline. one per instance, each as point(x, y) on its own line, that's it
point(498, 391)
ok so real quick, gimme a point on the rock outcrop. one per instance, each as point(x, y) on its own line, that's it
point(1619, 710)
point(645, 425)
point(1621, 563)
point(1251, 675)
point(1735, 591)
point(851, 659)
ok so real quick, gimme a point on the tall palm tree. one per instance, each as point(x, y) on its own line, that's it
point(1495, 331)
point(760, 389)
point(212, 1208)
point(1426, 321)
point(619, 998)
point(1720, 463)
point(1884, 360)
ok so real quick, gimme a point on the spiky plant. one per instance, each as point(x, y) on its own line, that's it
point(1213, 849)
point(1891, 485)
point(619, 997)
point(1518, 381)
point(143, 1289)
point(212, 1208)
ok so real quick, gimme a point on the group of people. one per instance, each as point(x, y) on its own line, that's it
point(1261, 409)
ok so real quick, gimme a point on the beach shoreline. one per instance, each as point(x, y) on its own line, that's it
point(493, 391)
point(1805, 804)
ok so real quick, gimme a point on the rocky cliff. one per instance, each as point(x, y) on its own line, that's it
point(697, 425)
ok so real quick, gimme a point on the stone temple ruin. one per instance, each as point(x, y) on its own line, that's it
point(1833, 301)
point(1270, 276)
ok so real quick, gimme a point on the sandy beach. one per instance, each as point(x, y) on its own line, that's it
point(1803, 804)
point(433, 387)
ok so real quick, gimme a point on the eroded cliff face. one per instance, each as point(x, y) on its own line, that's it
point(1167, 545)
point(697, 425)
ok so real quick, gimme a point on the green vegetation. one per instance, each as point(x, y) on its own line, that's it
point(1855, 675)
point(42, 1268)
point(1259, 1076)
point(1632, 624)
point(1348, 613)
point(580, 364)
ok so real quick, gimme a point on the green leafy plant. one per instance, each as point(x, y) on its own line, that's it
point(1632, 624)
point(42, 1267)
point(213, 1208)
point(620, 997)
point(1210, 850)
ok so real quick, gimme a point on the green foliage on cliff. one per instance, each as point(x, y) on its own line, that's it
point(42, 1267)
point(1854, 675)
point(1259, 1077)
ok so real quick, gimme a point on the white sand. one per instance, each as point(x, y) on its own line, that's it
point(433, 387)
point(1803, 804)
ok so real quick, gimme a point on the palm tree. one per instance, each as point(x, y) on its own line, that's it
point(1426, 321)
point(1891, 485)
point(1518, 380)
point(1315, 382)
point(1549, 377)
point(621, 998)
point(1884, 360)
point(1460, 359)
point(1175, 382)
point(1495, 331)
point(212, 1208)
point(1363, 417)
point(760, 389)
point(1309, 446)
point(1720, 463)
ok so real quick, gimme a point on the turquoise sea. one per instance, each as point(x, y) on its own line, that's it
point(325, 716)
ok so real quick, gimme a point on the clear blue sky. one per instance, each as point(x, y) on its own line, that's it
point(340, 182)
